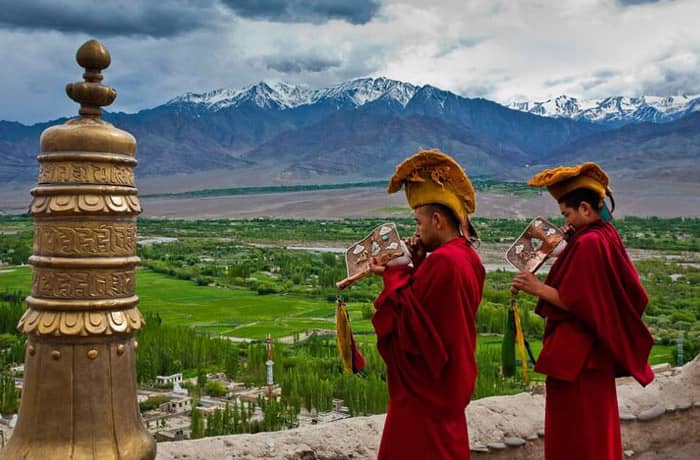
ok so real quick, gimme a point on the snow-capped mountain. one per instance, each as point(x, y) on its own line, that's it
point(263, 95)
point(295, 133)
point(282, 95)
point(614, 110)
point(364, 90)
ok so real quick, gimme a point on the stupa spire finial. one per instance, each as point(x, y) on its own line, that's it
point(91, 94)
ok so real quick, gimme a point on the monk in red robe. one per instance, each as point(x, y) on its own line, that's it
point(593, 302)
point(425, 317)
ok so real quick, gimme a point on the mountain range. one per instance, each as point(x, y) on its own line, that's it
point(277, 133)
point(614, 111)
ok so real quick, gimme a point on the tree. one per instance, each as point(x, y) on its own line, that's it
point(8, 340)
point(231, 363)
point(213, 427)
point(9, 396)
point(197, 423)
point(201, 378)
point(508, 346)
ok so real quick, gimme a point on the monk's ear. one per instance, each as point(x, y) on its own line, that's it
point(586, 208)
point(436, 219)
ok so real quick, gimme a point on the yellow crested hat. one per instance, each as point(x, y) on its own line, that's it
point(564, 179)
point(431, 176)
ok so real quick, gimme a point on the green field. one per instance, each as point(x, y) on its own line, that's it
point(244, 313)
point(16, 278)
point(215, 310)
point(215, 277)
point(236, 312)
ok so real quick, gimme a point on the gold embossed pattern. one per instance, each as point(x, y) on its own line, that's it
point(81, 323)
point(85, 204)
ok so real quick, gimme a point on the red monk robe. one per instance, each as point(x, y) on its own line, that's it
point(601, 336)
point(426, 333)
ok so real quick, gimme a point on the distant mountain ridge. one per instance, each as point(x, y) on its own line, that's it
point(615, 111)
point(278, 133)
point(282, 95)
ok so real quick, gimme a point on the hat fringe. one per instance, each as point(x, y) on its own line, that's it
point(440, 168)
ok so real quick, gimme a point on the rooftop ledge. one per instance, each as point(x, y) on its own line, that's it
point(661, 421)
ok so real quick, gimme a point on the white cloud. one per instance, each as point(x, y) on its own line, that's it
point(498, 49)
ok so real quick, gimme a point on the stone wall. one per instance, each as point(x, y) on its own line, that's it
point(659, 422)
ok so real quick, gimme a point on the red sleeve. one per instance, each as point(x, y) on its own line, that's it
point(406, 333)
point(605, 293)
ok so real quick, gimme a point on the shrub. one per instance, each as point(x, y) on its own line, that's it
point(153, 402)
point(215, 388)
point(367, 311)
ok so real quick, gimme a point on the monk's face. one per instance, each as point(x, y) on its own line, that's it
point(578, 217)
point(426, 228)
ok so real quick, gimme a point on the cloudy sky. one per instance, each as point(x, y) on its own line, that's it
point(498, 49)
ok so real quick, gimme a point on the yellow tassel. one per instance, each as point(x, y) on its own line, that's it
point(519, 337)
point(343, 337)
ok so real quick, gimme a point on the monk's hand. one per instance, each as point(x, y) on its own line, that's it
point(416, 248)
point(568, 230)
point(401, 260)
point(379, 264)
point(376, 266)
point(527, 282)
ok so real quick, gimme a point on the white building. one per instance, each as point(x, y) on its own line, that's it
point(168, 379)
point(177, 405)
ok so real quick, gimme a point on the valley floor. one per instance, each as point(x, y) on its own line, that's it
point(634, 197)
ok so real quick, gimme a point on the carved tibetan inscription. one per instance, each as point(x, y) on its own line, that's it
point(90, 284)
point(87, 239)
point(91, 173)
